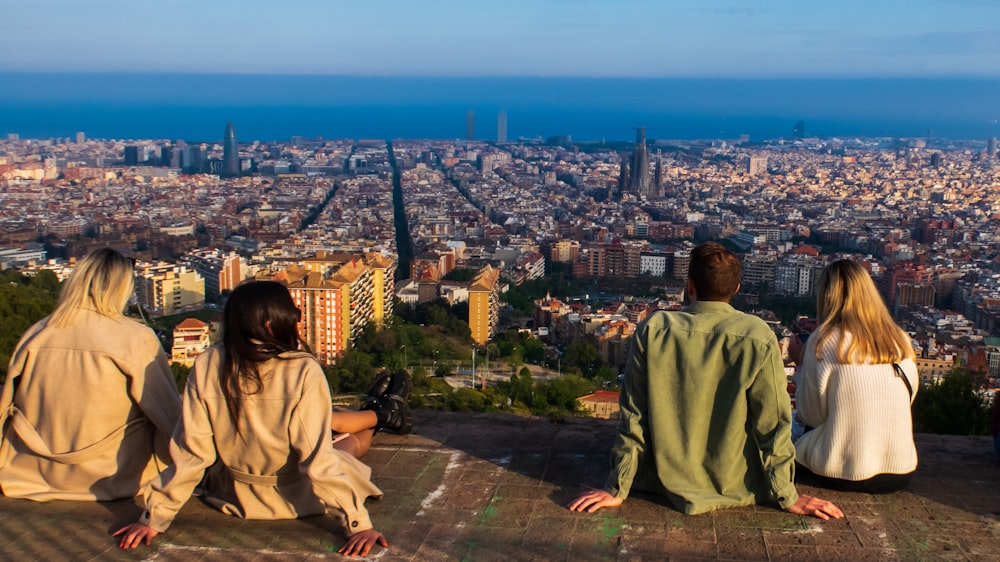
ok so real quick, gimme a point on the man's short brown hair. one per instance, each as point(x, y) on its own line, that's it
point(715, 272)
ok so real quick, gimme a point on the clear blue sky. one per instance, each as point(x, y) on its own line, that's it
point(587, 38)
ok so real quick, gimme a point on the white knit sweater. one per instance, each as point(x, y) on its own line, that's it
point(860, 415)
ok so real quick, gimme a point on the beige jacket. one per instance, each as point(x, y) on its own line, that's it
point(84, 409)
point(282, 464)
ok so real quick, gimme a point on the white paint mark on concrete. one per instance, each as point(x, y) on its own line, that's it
point(437, 493)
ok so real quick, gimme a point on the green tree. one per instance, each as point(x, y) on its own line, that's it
point(583, 356)
point(468, 400)
point(181, 373)
point(23, 301)
point(952, 406)
point(354, 372)
point(534, 351)
point(561, 393)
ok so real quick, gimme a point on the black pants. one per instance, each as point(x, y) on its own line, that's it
point(878, 484)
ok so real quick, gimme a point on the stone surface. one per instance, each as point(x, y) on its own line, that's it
point(492, 487)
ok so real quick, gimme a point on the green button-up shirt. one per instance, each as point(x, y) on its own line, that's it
point(705, 412)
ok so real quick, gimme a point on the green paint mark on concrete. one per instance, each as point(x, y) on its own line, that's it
point(470, 549)
point(610, 527)
point(677, 522)
point(793, 524)
point(489, 513)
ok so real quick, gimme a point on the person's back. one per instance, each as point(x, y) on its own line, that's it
point(75, 387)
point(89, 399)
point(256, 423)
point(855, 388)
point(259, 475)
point(705, 414)
point(702, 374)
point(859, 414)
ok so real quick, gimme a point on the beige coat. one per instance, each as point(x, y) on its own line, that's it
point(281, 465)
point(83, 410)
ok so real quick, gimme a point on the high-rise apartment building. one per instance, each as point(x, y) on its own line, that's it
point(991, 147)
point(222, 271)
point(615, 260)
point(484, 304)
point(470, 125)
point(501, 127)
point(164, 289)
point(230, 153)
point(319, 300)
point(565, 251)
point(902, 274)
point(757, 165)
point(339, 294)
point(81, 137)
point(797, 274)
point(383, 281)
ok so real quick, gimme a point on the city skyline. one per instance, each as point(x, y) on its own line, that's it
point(580, 38)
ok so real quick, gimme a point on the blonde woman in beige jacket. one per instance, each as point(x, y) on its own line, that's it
point(256, 424)
point(89, 402)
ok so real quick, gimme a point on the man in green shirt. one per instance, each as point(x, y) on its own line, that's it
point(705, 414)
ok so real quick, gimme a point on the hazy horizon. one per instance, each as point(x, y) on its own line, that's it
point(275, 107)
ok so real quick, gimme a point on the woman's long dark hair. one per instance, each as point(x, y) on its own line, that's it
point(259, 323)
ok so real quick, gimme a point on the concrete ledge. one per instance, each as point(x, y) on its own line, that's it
point(494, 487)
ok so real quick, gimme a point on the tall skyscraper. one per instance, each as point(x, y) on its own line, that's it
point(501, 127)
point(623, 177)
point(230, 153)
point(639, 182)
point(470, 125)
point(991, 147)
point(81, 137)
point(799, 130)
point(131, 155)
point(658, 177)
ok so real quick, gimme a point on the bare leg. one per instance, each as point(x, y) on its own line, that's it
point(352, 421)
point(357, 444)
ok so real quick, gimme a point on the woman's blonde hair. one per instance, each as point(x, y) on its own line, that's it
point(102, 281)
point(848, 302)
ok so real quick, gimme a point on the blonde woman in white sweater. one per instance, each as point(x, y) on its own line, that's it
point(854, 391)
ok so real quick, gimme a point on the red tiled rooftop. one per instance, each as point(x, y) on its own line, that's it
point(600, 396)
point(190, 324)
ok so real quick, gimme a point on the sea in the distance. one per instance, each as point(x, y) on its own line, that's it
point(277, 107)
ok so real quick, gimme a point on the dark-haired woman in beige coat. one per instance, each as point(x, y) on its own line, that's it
point(256, 422)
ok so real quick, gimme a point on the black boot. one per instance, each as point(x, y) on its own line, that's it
point(381, 385)
point(391, 408)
